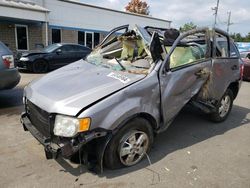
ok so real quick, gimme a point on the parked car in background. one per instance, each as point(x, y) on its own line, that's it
point(130, 88)
point(52, 57)
point(9, 76)
point(245, 56)
point(243, 46)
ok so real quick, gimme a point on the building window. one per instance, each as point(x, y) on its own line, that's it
point(81, 37)
point(56, 36)
point(89, 39)
point(96, 39)
point(22, 37)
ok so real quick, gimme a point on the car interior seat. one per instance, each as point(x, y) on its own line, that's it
point(182, 53)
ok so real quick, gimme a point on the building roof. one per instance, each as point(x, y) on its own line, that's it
point(22, 5)
point(112, 10)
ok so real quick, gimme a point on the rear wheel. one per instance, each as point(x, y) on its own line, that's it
point(129, 145)
point(223, 107)
point(40, 66)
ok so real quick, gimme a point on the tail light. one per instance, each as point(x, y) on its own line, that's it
point(241, 70)
point(8, 61)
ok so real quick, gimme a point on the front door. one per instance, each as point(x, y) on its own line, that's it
point(184, 72)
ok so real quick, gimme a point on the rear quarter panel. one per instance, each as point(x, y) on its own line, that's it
point(222, 76)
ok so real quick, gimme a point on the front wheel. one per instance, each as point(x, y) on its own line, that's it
point(223, 107)
point(40, 66)
point(129, 145)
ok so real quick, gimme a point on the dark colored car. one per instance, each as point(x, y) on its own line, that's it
point(245, 56)
point(9, 76)
point(52, 57)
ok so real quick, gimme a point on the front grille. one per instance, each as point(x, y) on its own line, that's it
point(39, 118)
point(20, 64)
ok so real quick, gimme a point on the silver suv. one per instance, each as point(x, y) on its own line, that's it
point(108, 108)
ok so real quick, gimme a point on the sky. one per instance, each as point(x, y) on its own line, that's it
point(198, 11)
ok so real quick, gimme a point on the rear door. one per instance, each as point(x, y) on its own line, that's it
point(225, 65)
point(184, 72)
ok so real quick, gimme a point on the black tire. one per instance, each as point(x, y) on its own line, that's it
point(40, 66)
point(111, 156)
point(217, 116)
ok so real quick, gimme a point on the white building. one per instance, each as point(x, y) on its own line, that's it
point(30, 24)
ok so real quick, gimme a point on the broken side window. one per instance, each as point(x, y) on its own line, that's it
point(222, 48)
point(190, 50)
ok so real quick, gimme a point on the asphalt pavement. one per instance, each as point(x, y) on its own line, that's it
point(193, 152)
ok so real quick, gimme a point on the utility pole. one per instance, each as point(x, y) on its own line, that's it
point(229, 21)
point(216, 9)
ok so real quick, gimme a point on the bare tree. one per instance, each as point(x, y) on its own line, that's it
point(138, 6)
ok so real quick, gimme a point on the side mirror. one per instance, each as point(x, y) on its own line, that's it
point(166, 67)
point(58, 52)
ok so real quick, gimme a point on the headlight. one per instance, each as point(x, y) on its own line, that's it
point(24, 59)
point(69, 126)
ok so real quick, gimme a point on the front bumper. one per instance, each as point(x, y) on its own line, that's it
point(23, 64)
point(9, 78)
point(52, 149)
point(55, 146)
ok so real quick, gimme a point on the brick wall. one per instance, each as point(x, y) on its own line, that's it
point(69, 36)
point(35, 36)
point(7, 35)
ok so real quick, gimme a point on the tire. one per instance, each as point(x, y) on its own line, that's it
point(223, 107)
point(115, 154)
point(40, 66)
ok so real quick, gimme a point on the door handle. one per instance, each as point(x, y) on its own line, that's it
point(235, 67)
point(201, 73)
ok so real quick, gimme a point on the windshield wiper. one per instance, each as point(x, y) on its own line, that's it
point(123, 68)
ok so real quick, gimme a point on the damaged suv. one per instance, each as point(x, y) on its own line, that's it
point(108, 108)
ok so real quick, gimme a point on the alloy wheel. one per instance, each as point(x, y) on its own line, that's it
point(133, 147)
point(224, 106)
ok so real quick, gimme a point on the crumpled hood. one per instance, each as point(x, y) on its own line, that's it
point(73, 87)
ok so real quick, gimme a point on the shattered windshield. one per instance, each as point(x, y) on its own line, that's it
point(124, 50)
